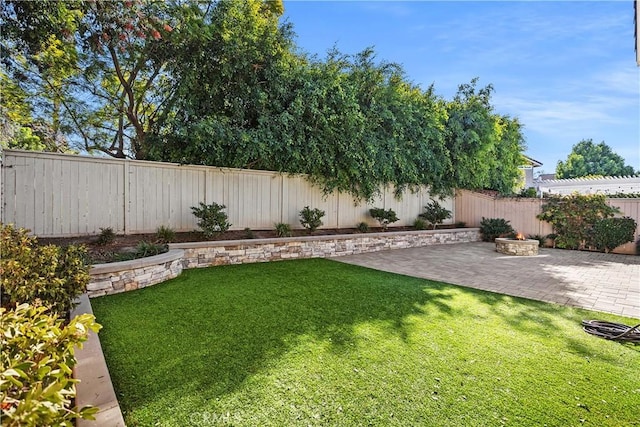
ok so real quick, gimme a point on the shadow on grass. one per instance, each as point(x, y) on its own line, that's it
point(210, 329)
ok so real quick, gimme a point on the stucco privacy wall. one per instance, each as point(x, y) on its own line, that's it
point(125, 276)
point(58, 195)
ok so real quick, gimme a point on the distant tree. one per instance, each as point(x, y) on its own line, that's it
point(587, 158)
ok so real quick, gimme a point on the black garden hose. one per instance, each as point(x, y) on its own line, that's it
point(612, 331)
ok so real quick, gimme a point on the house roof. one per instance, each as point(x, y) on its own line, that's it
point(532, 162)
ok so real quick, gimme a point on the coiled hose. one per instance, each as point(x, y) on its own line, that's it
point(612, 331)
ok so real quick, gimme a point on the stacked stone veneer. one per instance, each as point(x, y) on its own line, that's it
point(124, 276)
point(507, 246)
point(130, 275)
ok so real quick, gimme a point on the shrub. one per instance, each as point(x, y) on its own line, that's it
point(283, 230)
point(143, 249)
point(573, 218)
point(609, 233)
point(311, 218)
point(106, 236)
point(419, 224)
point(530, 193)
point(384, 217)
point(213, 219)
point(490, 228)
point(460, 224)
point(37, 384)
point(49, 275)
point(165, 234)
point(362, 227)
point(248, 233)
point(539, 237)
point(434, 213)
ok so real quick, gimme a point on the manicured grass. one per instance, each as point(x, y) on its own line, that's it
point(317, 342)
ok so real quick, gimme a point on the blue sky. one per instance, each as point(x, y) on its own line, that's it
point(566, 69)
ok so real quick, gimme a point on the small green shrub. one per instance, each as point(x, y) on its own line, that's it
point(248, 233)
point(49, 275)
point(37, 358)
point(213, 219)
point(435, 214)
point(362, 227)
point(638, 246)
point(539, 237)
point(311, 219)
point(143, 249)
point(283, 230)
point(165, 234)
point(490, 228)
point(460, 224)
point(384, 217)
point(609, 233)
point(106, 236)
point(419, 224)
point(530, 193)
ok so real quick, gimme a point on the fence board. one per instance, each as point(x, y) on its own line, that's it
point(471, 207)
point(57, 195)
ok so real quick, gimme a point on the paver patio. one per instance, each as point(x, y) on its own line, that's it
point(592, 280)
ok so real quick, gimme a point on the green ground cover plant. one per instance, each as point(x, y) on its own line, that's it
point(317, 342)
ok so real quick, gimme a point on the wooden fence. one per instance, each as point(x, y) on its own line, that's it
point(470, 207)
point(56, 195)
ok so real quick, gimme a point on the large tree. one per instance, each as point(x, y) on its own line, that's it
point(91, 71)
point(587, 158)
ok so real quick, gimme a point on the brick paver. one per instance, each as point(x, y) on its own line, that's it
point(592, 280)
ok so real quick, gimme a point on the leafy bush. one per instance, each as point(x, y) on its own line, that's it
point(609, 233)
point(49, 275)
point(435, 214)
point(106, 236)
point(460, 224)
point(490, 228)
point(213, 219)
point(311, 218)
point(573, 218)
point(165, 234)
point(362, 227)
point(529, 193)
point(539, 237)
point(248, 233)
point(419, 224)
point(36, 383)
point(283, 230)
point(384, 217)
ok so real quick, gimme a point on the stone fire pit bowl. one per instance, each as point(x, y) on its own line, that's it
point(508, 246)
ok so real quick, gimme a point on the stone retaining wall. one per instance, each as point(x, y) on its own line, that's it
point(205, 254)
point(129, 275)
point(124, 276)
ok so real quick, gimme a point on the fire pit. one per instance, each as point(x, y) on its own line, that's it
point(519, 246)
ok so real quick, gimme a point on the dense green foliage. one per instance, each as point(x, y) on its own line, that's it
point(322, 343)
point(573, 218)
point(222, 83)
point(48, 275)
point(609, 233)
point(384, 217)
point(434, 213)
point(490, 228)
point(587, 158)
point(362, 227)
point(212, 218)
point(37, 358)
point(311, 219)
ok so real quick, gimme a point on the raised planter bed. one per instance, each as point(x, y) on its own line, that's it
point(130, 275)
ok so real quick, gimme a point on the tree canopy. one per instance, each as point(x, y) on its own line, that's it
point(222, 83)
point(587, 158)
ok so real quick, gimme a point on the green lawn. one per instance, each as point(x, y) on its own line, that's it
point(317, 342)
